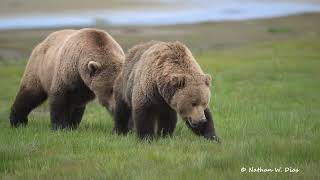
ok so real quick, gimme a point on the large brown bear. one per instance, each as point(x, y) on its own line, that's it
point(158, 81)
point(70, 68)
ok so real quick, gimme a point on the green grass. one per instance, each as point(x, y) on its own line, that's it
point(280, 29)
point(266, 104)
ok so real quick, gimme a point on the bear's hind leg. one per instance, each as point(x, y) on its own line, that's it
point(166, 122)
point(122, 114)
point(28, 98)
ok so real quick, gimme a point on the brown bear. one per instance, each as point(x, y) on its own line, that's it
point(159, 80)
point(70, 68)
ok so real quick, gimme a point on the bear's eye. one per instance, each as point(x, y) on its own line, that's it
point(194, 104)
point(111, 91)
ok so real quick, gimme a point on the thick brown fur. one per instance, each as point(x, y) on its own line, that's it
point(158, 81)
point(70, 68)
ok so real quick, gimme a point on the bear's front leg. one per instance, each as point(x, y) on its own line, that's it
point(59, 112)
point(209, 131)
point(167, 121)
point(122, 114)
point(205, 129)
point(144, 122)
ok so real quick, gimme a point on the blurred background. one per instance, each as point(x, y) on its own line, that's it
point(202, 24)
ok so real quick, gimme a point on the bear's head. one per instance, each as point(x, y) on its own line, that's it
point(101, 77)
point(191, 97)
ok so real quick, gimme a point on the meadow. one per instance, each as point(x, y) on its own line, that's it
point(265, 99)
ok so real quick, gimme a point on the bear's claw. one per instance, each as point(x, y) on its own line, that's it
point(215, 138)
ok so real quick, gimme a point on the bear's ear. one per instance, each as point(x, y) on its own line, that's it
point(178, 81)
point(93, 67)
point(207, 79)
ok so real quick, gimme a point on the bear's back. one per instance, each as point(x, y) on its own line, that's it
point(49, 46)
point(134, 55)
point(128, 73)
point(61, 51)
point(41, 63)
point(89, 39)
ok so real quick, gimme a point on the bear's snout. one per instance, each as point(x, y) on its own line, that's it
point(196, 123)
point(202, 120)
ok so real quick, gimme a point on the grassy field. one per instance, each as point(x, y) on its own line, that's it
point(266, 104)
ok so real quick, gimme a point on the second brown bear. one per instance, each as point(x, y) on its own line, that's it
point(158, 81)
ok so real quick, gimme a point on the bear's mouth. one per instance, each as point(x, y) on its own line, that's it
point(193, 125)
point(198, 124)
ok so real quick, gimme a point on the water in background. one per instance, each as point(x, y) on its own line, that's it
point(193, 12)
